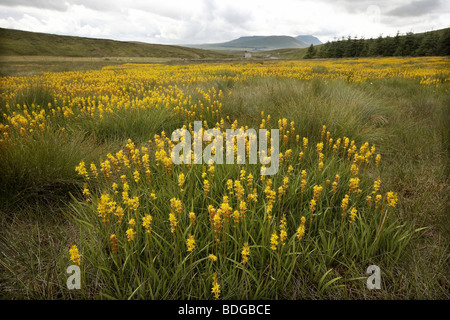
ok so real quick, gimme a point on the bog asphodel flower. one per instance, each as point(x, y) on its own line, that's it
point(377, 160)
point(312, 205)
point(190, 242)
point(392, 198)
point(245, 253)
point(173, 222)
point(130, 234)
point(344, 204)
point(206, 186)
point(354, 185)
point(336, 183)
point(376, 185)
point(303, 183)
point(147, 222)
point(283, 231)
point(192, 217)
point(212, 257)
point(81, 169)
point(75, 256)
point(113, 241)
point(94, 169)
point(353, 215)
point(317, 189)
point(215, 287)
point(136, 176)
point(181, 181)
point(301, 229)
point(378, 199)
point(274, 241)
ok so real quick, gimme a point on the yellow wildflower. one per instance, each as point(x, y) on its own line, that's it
point(245, 253)
point(212, 257)
point(274, 241)
point(190, 242)
point(146, 223)
point(130, 234)
point(353, 214)
point(74, 255)
point(216, 287)
point(301, 229)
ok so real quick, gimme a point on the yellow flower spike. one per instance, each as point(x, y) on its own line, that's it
point(75, 257)
point(378, 199)
point(146, 222)
point(249, 179)
point(81, 169)
point(353, 215)
point(301, 229)
point(376, 185)
point(192, 217)
point(274, 241)
point(354, 185)
point(377, 160)
point(113, 241)
point(344, 204)
point(392, 198)
point(245, 253)
point(136, 176)
point(130, 234)
point(212, 257)
point(190, 243)
point(94, 169)
point(319, 147)
point(312, 206)
point(317, 189)
point(119, 214)
point(181, 181)
point(215, 287)
point(283, 231)
point(305, 142)
point(173, 222)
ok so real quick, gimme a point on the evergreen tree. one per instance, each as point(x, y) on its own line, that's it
point(311, 53)
point(443, 46)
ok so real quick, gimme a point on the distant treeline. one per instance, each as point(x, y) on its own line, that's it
point(433, 43)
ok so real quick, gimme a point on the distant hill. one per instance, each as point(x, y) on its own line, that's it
point(309, 39)
point(256, 43)
point(24, 43)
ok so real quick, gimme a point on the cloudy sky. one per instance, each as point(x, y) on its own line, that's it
point(203, 21)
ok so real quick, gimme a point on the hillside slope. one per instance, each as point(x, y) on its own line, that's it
point(24, 43)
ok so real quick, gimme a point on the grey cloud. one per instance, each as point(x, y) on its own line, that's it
point(236, 17)
point(415, 8)
point(41, 4)
point(356, 6)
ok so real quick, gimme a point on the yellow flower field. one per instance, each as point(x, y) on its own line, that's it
point(150, 228)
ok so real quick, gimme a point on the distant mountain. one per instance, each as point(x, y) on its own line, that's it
point(255, 43)
point(309, 39)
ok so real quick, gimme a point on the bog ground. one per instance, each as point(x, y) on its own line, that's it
point(87, 179)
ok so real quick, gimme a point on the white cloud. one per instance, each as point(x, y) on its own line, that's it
point(200, 21)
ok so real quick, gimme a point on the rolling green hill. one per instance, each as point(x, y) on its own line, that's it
point(24, 43)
